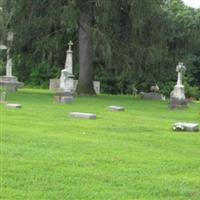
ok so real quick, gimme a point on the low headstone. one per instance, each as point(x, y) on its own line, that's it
point(152, 96)
point(3, 97)
point(13, 105)
point(83, 115)
point(116, 108)
point(182, 126)
point(64, 97)
point(54, 85)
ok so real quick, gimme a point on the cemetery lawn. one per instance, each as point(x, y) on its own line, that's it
point(46, 155)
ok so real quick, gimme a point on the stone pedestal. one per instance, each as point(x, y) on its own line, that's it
point(64, 97)
point(177, 97)
point(10, 83)
point(67, 81)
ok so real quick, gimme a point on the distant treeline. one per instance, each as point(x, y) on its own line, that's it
point(136, 43)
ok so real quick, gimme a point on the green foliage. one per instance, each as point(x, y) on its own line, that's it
point(193, 92)
point(141, 42)
point(41, 74)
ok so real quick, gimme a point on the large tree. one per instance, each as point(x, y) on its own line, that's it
point(85, 81)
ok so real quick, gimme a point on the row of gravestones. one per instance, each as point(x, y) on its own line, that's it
point(177, 96)
point(66, 84)
point(180, 126)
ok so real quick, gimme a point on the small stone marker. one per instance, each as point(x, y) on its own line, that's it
point(116, 108)
point(83, 115)
point(182, 126)
point(13, 105)
point(3, 97)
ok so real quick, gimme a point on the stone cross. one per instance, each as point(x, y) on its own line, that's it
point(70, 45)
point(180, 68)
point(69, 59)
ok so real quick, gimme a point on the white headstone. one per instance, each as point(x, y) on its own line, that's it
point(83, 115)
point(13, 105)
point(182, 126)
point(116, 108)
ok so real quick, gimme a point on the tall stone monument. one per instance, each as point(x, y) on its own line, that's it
point(66, 90)
point(177, 96)
point(67, 77)
point(9, 81)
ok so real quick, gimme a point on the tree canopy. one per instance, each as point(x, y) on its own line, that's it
point(134, 43)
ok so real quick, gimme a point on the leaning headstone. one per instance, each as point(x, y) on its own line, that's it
point(13, 105)
point(177, 96)
point(182, 126)
point(83, 115)
point(116, 108)
point(3, 97)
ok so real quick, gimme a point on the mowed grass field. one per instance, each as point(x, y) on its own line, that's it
point(46, 155)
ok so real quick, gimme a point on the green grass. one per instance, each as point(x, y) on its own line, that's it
point(44, 154)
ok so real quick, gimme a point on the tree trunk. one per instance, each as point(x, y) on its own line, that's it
point(85, 82)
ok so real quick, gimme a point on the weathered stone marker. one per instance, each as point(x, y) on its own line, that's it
point(83, 115)
point(116, 108)
point(13, 105)
point(9, 82)
point(177, 96)
point(64, 97)
point(3, 97)
point(152, 96)
point(182, 126)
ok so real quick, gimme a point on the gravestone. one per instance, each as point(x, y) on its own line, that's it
point(116, 108)
point(152, 96)
point(67, 77)
point(177, 96)
point(64, 97)
point(13, 105)
point(2, 97)
point(83, 115)
point(54, 85)
point(182, 126)
point(66, 91)
point(9, 81)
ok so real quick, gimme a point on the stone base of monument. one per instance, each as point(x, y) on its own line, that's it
point(64, 97)
point(177, 98)
point(182, 126)
point(178, 103)
point(152, 96)
point(10, 83)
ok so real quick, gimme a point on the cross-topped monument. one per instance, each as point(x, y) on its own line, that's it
point(70, 45)
point(66, 79)
point(177, 96)
point(9, 81)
